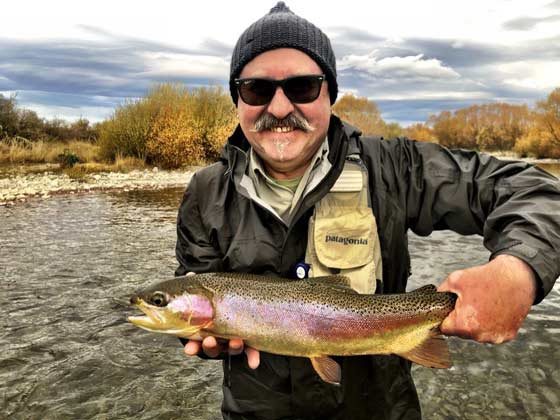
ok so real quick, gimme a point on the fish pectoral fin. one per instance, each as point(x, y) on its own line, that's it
point(186, 332)
point(327, 369)
point(433, 353)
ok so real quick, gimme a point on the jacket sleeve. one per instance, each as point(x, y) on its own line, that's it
point(195, 250)
point(514, 205)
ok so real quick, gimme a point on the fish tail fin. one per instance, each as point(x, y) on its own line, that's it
point(433, 352)
point(328, 370)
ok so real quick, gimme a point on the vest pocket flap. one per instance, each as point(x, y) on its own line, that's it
point(345, 239)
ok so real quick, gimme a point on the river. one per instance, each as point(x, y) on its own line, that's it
point(69, 264)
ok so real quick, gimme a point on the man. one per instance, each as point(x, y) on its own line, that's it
point(295, 183)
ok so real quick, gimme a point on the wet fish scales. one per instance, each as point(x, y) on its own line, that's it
point(308, 318)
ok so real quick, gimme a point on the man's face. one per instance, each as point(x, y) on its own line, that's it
point(286, 151)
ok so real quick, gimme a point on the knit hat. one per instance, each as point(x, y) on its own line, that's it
point(282, 28)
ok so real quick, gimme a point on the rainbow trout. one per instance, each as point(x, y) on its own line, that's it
point(313, 318)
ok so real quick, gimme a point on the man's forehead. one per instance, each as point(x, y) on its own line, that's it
point(281, 63)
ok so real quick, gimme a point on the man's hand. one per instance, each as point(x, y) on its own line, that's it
point(213, 348)
point(494, 300)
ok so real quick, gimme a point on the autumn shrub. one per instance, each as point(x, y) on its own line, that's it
point(171, 127)
point(420, 132)
point(174, 140)
point(360, 112)
point(489, 127)
point(125, 132)
point(216, 113)
point(542, 140)
point(194, 132)
point(67, 159)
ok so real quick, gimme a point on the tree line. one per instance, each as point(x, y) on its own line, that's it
point(173, 126)
point(26, 125)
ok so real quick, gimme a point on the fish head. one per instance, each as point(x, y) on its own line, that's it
point(183, 315)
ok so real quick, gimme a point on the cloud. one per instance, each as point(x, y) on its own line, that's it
point(408, 78)
point(346, 40)
point(106, 65)
point(528, 23)
point(409, 67)
point(425, 76)
point(110, 65)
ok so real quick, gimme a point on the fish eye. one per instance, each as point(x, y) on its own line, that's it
point(158, 299)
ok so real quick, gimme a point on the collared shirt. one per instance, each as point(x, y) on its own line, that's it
point(281, 198)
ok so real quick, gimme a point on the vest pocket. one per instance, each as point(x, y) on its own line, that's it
point(345, 239)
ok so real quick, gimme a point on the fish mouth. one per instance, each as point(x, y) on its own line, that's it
point(153, 318)
point(162, 320)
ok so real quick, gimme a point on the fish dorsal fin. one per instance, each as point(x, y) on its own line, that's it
point(341, 283)
point(433, 353)
point(327, 369)
point(429, 288)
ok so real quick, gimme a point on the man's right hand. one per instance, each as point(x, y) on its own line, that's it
point(213, 348)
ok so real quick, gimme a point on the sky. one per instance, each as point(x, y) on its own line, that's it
point(80, 59)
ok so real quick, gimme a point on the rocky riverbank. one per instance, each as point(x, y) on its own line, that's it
point(19, 188)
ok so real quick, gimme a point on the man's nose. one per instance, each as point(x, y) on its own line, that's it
point(280, 106)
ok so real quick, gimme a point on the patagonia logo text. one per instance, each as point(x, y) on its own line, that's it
point(345, 240)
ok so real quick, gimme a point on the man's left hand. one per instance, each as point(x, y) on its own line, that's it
point(493, 300)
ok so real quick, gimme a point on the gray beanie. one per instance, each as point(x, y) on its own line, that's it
point(282, 28)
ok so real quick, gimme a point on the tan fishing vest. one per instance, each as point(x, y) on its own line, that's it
point(342, 236)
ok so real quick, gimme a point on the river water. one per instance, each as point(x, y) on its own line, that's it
point(69, 264)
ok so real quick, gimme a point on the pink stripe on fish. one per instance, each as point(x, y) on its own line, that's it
point(195, 308)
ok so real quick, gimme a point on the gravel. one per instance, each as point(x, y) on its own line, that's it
point(19, 188)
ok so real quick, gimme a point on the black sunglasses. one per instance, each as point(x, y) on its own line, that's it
point(298, 89)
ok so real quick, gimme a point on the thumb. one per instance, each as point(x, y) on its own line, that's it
point(448, 325)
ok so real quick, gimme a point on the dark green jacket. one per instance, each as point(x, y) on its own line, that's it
point(414, 185)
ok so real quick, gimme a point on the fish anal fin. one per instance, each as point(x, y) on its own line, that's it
point(327, 369)
point(433, 353)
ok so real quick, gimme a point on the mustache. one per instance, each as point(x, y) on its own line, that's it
point(293, 120)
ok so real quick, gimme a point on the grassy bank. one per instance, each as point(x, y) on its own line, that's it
point(17, 157)
point(25, 152)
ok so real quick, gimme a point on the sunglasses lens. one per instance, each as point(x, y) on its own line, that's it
point(298, 89)
point(256, 91)
point(304, 89)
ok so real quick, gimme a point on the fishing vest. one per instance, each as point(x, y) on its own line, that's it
point(342, 236)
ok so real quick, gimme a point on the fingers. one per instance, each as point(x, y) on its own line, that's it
point(235, 346)
point(213, 348)
point(253, 357)
point(209, 345)
point(192, 348)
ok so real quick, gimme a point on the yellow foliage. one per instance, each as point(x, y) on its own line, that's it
point(420, 132)
point(361, 113)
point(543, 138)
point(191, 130)
point(175, 140)
point(172, 126)
point(488, 126)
